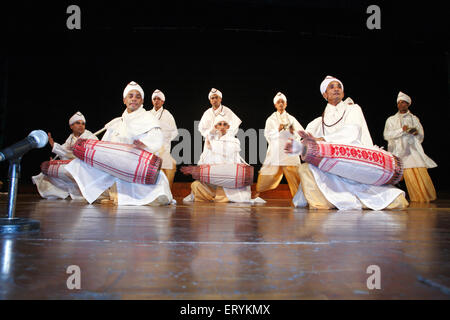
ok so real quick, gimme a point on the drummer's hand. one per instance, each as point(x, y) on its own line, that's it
point(50, 139)
point(288, 146)
point(139, 144)
point(51, 158)
point(291, 129)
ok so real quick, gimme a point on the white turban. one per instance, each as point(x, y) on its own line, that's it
point(159, 94)
point(214, 91)
point(279, 96)
point(404, 97)
point(220, 118)
point(133, 86)
point(326, 82)
point(76, 117)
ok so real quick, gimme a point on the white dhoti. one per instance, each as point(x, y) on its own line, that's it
point(93, 182)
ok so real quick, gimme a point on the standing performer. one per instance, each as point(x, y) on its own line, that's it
point(280, 126)
point(345, 124)
point(170, 132)
point(51, 187)
point(136, 127)
point(206, 124)
point(404, 134)
point(223, 148)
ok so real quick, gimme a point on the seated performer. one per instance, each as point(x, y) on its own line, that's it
point(280, 126)
point(136, 127)
point(170, 132)
point(206, 124)
point(223, 148)
point(344, 125)
point(404, 134)
point(62, 185)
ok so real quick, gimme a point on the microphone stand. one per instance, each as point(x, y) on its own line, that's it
point(11, 224)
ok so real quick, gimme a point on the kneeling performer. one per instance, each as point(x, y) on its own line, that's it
point(223, 176)
point(343, 168)
point(134, 139)
point(54, 182)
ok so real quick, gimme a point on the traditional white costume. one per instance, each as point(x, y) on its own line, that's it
point(170, 132)
point(60, 188)
point(345, 124)
point(224, 150)
point(206, 123)
point(278, 162)
point(408, 147)
point(138, 125)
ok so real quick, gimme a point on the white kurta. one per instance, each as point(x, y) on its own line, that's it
point(55, 188)
point(170, 132)
point(226, 149)
point(138, 125)
point(65, 151)
point(404, 145)
point(206, 123)
point(276, 156)
point(345, 194)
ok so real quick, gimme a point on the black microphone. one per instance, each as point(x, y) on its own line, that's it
point(36, 139)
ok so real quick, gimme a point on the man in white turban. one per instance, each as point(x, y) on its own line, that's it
point(280, 127)
point(170, 132)
point(224, 149)
point(52, 187)
point(342, 123)
point(404, 134)
point(206, 124)
point(137, 127)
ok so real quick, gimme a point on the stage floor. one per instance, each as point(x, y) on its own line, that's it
point(226, 251)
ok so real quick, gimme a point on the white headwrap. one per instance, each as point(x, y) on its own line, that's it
point(326, 82)
point(133, 86)
point(279, 96)
point(214, 91)
point(404, 97)
point(220, 118)
point(76, 117)
point(159, 94)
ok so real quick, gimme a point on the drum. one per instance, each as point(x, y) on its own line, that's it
point(123, 161)
point(56, 169)
point(368, 165)
point(233, 175)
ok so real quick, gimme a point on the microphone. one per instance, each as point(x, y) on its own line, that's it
point(36, 139)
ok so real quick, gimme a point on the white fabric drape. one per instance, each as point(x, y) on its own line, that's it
point(407, 146)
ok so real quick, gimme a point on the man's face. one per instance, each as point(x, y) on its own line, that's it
point(223, 127)
point(157, 102)
point(280, 105)
point(402, 106)
point(78, 127)
point(334, 92)
point(133, 100)
point(215, 101)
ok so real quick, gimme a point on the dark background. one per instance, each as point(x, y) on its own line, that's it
point(247, 49)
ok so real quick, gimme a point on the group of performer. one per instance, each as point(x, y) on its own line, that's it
point(340, 168)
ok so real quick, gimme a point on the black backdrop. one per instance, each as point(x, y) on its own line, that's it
point(247, 49)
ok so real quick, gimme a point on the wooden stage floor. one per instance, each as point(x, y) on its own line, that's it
point(225, 251)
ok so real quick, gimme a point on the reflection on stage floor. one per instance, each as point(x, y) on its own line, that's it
point(225, 251)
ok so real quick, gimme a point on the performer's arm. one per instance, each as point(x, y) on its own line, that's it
point(390, 132)
point(271, 132)
point(419, 133)
point(204, 126)
point(152, 141)
point(173, 133)
point(62, 150)
point(235, 123)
